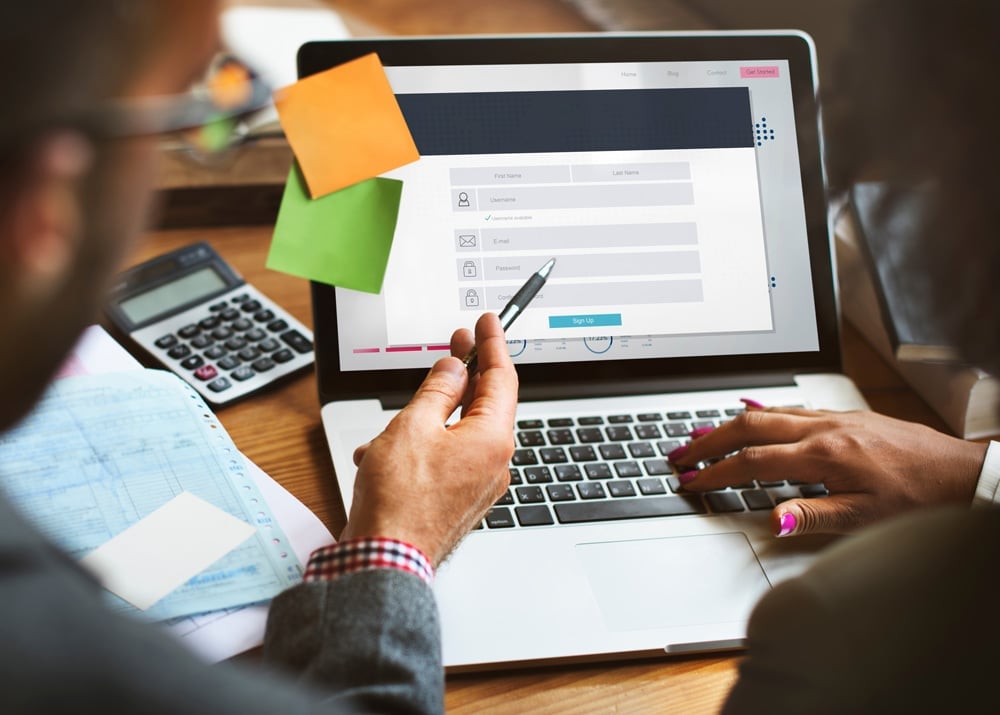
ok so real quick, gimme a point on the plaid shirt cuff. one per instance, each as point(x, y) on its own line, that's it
point(328, 562)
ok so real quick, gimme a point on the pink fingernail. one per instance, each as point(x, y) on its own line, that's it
point(753, 404)
point(688, 477)
point(679, 452)
point(695, 433)
point(787, 522)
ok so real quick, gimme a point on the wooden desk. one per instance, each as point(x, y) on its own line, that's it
point(281, 432)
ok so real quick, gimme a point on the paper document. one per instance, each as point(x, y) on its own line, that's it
point(101, 452)
point(341, 239)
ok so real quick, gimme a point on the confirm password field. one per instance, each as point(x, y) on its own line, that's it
point(575, 295)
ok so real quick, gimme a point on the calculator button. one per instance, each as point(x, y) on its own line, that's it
point(229, 314)
point(192, 362)
point(263, 365)
point(222, 333)
point(201, 342)
point(250, 306)
point(229, 362)
point(167, 341)
point(206, 372)
point(179, 351)
point(209, 322)
point(219, 385)
point(255, 335)
point(240, 298)
point(297, 341)
point(262, 316)
point(241, 324)
point(283, 355)
point(268, 345)
point(276, 326)
point(242, 373)
point(236, 343)
point(250, 353)
point(188, 331)
point(216, 307)
point(215, 352)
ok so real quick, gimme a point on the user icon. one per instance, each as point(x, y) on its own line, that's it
point(463, 200)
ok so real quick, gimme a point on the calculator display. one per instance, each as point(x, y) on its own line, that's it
point(164, 298)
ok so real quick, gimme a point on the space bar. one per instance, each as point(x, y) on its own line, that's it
point(628, 509)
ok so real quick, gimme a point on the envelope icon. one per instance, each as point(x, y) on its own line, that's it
point(467, 240)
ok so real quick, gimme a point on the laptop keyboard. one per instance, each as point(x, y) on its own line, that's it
point(570, 470)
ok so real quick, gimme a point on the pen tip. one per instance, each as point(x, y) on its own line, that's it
point(547, 268)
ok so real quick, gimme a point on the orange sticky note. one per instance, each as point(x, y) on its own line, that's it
point(344, 125)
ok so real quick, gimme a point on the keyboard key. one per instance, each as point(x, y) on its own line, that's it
point(641, 449)
point(677, 429)
point(262, 316)
point(229, 362)
point(723, 502)
point(254, 335)
point(678, 415)
point(674, 483)
point(276, 326)
point(813, 490)
point(568, 473)
point(524, 456)
point(772, 484)
point(530, 495)
point(560, 492)
point(651, 485)
point(219, 384)
point(189, 331)
point(561, 422)
point(590, 490)
point(499, 517)
point(530, 424)
point(229, 314)
point(534, 515)
point(167, 341)
point(506, 499)
point(283, 355)
point(209, 323)
point(650, 417)
point(236, 343)
point(179, 351)
point(215, 352)
point(532, 438)
point(597, 470)
point(553, 455)
point(248, 353)
point(647, 431)
point(612, 451)
point(515, 476)
point(263, 365)
point(628, 469)
point(707, 413)
point(241, 324)
point(583, 454)
point(576, 512)
point(619, 419)
point(668, 445)
point(621, 489)
point(589, 435)
point(657, 467)
point(537, 475)
point(590, 421)
point(561, 436)
point(222, 333)
point(757, 499)
point(619, 433)
point(734, 411)
point(268, 345)
point(244, 372)
point(206, 372)
point(193, 362)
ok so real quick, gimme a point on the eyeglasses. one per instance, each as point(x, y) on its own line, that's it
point(208, 120)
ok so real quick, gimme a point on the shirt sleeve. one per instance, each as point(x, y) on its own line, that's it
point(988, 488)
point(347, 557)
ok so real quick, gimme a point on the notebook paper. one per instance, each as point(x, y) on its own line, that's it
point(101, 452)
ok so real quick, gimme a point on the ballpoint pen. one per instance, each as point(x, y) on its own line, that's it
point(516, 305)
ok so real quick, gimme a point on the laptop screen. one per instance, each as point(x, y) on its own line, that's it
point(671, 192)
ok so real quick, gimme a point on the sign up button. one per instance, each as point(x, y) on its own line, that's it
point(596, 320)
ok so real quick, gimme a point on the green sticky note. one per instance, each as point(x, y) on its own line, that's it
point(342, 238)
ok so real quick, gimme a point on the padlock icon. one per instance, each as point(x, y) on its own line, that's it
point(471, 298)
point(469, 269)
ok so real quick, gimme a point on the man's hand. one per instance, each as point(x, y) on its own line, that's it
point(428, 484)
point(873, 466)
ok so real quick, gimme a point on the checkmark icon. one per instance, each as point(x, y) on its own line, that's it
point(489, 217)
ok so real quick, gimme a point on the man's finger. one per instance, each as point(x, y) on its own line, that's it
point(835, 514)
point(439, 394)
point(360, 451)
point(461, 342)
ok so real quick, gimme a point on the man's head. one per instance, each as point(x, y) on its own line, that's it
point(71, 194)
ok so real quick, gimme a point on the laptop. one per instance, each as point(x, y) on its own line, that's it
point(677, 180)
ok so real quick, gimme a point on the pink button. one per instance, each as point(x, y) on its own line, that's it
point(206, 372)
point(759, 72)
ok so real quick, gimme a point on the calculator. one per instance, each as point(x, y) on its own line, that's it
point(196, 316)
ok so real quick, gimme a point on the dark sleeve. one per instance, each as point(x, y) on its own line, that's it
point(368, 643)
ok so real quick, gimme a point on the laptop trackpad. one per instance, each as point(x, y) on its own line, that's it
point(678, 581)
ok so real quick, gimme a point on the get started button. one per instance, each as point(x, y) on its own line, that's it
point(597, 320)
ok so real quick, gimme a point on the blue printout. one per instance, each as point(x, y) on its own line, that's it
point(100, 452)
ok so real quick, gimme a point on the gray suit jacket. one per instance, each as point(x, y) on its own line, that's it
point(369, 642)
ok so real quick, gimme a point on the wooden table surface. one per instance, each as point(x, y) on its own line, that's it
point(281, 432)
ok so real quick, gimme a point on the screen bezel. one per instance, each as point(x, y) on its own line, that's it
point(582, 379)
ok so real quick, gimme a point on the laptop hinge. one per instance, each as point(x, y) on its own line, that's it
point(618, 388)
